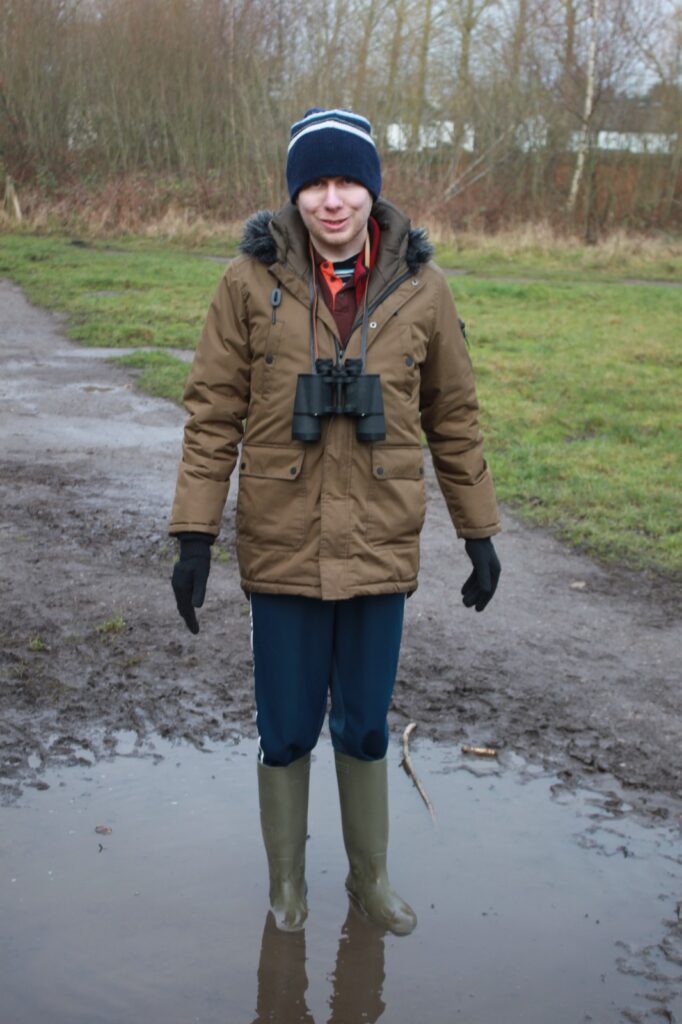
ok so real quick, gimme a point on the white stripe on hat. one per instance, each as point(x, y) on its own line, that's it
point(347, 115)
point(331, 123)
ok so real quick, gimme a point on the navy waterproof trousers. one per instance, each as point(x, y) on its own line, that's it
point(305, 649)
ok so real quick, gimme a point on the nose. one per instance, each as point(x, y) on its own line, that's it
point(332, 200)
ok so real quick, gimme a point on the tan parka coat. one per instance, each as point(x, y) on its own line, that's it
point(339, 517)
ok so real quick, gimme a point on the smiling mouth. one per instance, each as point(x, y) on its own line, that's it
point(334, 225)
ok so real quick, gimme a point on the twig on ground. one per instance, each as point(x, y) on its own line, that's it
point(480, 751)
point(408, 768)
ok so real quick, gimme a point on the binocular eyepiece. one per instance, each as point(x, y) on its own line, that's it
point(338, 389)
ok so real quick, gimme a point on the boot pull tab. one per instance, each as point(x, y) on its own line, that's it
point(275, 300)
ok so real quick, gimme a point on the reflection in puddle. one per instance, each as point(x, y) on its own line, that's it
point(282, 978)
point(532, 907)
point(357, 980)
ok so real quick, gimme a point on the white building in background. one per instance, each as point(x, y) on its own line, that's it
point(531, 134)
point(637, 142)
point(438, 133)
point(397, 137)
point(650, 143)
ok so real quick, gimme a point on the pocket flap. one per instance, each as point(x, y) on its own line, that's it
point(397, 463)
point(274, 462)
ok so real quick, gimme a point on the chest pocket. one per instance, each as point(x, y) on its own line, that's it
point(397, 356)
point(271, 498)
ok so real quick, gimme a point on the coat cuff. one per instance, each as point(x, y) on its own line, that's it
point(473, 508)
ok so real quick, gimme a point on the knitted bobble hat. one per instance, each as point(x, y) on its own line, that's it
point(331, 144)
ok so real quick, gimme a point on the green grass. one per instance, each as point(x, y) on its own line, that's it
point(116, 624)
point(131, 294)
point(161, 373)
point(611, 262)
point(580, 389)
point(579, 373)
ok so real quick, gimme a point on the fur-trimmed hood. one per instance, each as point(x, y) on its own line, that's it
point(261, 243)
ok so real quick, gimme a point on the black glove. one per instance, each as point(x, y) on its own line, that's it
point(482, 583)
point(190, 575)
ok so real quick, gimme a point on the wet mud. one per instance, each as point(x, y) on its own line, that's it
point(572, 666)
point(136, 889)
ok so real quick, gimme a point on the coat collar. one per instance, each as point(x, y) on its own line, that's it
point(281, 238)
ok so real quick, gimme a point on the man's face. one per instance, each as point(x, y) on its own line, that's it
point(335, 212)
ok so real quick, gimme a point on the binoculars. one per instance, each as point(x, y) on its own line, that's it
point(338, 389)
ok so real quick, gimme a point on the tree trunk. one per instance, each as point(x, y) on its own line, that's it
point(388, 107)
point(588, 110)
point(520, 28)
point(569, 49)
point(420, 91)
point(363, 53)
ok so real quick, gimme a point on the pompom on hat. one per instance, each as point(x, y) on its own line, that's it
point(331, 144)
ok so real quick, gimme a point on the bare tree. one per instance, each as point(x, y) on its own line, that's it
point(502, 106)
point(588, 107)
point(422, 72)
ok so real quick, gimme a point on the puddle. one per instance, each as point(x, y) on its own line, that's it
point(535, 904)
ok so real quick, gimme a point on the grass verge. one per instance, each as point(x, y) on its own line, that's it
point(127, 294)
point(579, 372)
point(579, 387)
point(160, 373)
point(536, 251)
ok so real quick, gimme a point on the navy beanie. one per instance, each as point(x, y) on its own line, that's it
point(332, 144)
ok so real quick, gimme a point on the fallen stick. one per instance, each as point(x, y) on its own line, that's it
point(480, 751)
point(406, 765)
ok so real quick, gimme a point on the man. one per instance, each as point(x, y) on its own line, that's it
point(333, 307)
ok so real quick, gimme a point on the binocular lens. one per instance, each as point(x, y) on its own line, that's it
point(306, 428)
point(338, 391)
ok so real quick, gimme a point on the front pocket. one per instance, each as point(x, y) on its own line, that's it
point(271, 498)
point(397, 501)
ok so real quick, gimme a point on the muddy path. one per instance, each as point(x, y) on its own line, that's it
point(572, 665)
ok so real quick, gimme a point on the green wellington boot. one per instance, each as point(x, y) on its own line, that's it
point(283, 794)
point(363, 791)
